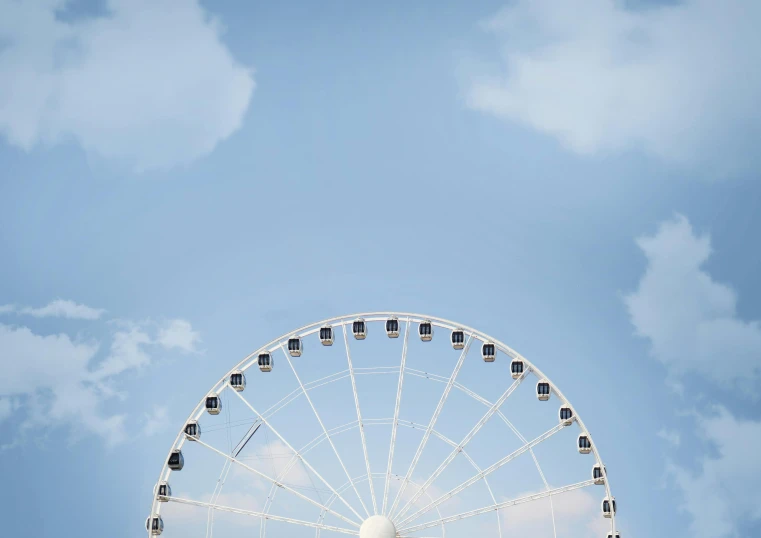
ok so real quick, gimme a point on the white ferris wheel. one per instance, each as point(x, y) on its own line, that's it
point(369, 426)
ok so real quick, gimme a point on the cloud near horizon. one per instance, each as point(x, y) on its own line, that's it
point(663, 79)
point(148, 83)
point(577, 515)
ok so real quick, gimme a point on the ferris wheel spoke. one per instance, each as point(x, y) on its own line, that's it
point(297, 454)
point(261, 515)
point(473, 464)
point(395, 424)
point(305, 449)
point(359, 419)
point(498, 506)
point(469, 437)
point(483, 474)
point(345, 486)
point(278, 483)
point(431, 424)
point(488, 488)
point(290, 397)
point(324, 429)
point(520, 436)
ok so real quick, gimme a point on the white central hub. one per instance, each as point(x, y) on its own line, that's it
point(377, 527)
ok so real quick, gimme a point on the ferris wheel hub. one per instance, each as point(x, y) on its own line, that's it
point(377, 527)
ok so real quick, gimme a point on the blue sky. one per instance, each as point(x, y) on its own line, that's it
point(182, 182)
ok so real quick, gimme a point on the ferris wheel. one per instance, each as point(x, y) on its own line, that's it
point(369, 426)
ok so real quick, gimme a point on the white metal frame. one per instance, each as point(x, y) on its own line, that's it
point(404, 524)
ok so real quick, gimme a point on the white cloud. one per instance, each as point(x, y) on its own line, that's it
point(691, 320)
point(6, 408)
point(51, 372)
point(60, 308)
point(179, 334)
point(670, 436)
point(723, 494)
point(7, 308)
point(56, 381)
point(127, 352)
point(156, 421)
point(601, 77)
point(149, 83)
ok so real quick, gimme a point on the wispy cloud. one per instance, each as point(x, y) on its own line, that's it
point(178, 334)
point(670, 436)
point(156, 421)
point(60, 381)
point(50, 372)
point(147, 83)
point(722, 495)
point(61, 308)
point(690, 319)
point(601, 77)
point(6, 408)
point(693, 326)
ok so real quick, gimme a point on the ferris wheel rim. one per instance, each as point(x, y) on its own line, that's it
point(380, 316)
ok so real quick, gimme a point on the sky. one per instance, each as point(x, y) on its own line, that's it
point(183, 181)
